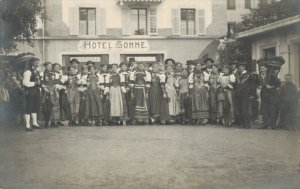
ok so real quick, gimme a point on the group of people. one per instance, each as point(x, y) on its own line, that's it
point(137, 93)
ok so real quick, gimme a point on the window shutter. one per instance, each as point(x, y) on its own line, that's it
point(201, 22)
point(126, 30)
point(101, 21)
point(175, 14)
point(74, 20)
point(153, 22)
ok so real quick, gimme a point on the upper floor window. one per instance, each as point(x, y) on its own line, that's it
point(139, 21)
point(269, 52)
point(247, 4)
point(230, 4)
point(188, 21)
point(87, 21)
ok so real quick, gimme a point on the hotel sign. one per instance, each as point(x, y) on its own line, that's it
point(113, 45)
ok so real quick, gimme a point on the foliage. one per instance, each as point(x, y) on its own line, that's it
point(235, 51)
point(269, 13)
point(18, 20)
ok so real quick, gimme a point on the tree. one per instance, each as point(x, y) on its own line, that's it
point(18, 20)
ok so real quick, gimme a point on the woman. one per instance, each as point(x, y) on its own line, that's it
point(158, 105)
point(213, 101)
point(140, 82)
point(117, 91)
point(172, 87)
point(31, 83)
point(94, 99)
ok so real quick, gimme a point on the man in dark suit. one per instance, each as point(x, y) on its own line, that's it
point(242, 96)
point(268, 83)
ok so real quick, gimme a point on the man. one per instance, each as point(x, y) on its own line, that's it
point(268, 83)
point(75, 63)
point(31, 83)
point(208, 63)
point(242, 97)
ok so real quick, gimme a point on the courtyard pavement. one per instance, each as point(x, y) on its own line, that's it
point(149, 157)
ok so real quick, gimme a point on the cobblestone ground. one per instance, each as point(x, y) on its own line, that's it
point(158, 157)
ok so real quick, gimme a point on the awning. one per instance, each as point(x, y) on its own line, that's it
point(139, 1)
point(270, 27)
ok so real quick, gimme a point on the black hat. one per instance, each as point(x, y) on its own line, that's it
point(47, 63)
point(90, 62)
point(209, 59)
point(170, 59)
point(190, 62)
point(74, 60)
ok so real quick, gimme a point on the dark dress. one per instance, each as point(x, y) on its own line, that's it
point(94, 99)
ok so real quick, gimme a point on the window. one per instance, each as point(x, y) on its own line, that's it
point(230, 4)
point(98, 59)
point(188, 22)
point(269, 52)
point(247, 4)
point(87, 21)
point(139, 21)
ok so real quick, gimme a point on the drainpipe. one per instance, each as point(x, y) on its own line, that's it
point(43, 33)
point(289, 58)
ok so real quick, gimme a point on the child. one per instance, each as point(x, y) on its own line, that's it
point(289, 98)
point(185, 103)
point(199, 92)
point(53, 88)
point(140, 83)
point(106, 104)
point(213, 102)
point(46, 101)
point(172, 93)
point(117, 99)
point(94, 99)
point(225, 97)
point(158, 106)
point(73, 95)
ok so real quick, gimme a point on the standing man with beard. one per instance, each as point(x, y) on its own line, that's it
point(31, 83)
point(268, 83)
point(242, 96)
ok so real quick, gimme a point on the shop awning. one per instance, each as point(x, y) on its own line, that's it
point(139, 1)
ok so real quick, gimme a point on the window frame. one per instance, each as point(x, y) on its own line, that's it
point(87, 21)
point(187, 28)
point(138, 20)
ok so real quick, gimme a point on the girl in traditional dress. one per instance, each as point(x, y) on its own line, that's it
point(106, 104)
point(158, 105)
point(172, 87)
point(94, 98)
point(129, 104)
point(117, 91)
point(199, 92)
point(73, 95)
point(213, 101)
point(225, 97)
point(82, 83)
point(185, 103)
point(140, 82)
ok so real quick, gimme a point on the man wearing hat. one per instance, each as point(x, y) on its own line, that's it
point(31, 83)
point(268, 83)
point(208, 63)
point(191, 65)
point(75, 63)
point(242, 96)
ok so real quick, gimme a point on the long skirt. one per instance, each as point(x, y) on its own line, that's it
point(65, 109)
point(140, 103)
point(82, 113)
point(94, 103)
point(185, 105)
point(225, 104)
point(116, 102)
point(54, 98)
point(74, 100)
point(174, 105)
point(213, 103)
point(158, 106)
point(32, 100)
point(200, 103)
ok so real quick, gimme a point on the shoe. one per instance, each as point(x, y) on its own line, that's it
point(36, 127)
point(28, 129)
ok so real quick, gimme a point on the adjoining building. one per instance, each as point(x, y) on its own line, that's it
point(113, 31)
point(280, 38)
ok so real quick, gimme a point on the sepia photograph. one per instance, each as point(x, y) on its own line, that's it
point(149, 94)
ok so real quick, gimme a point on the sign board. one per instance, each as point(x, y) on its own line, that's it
point(113, 45)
